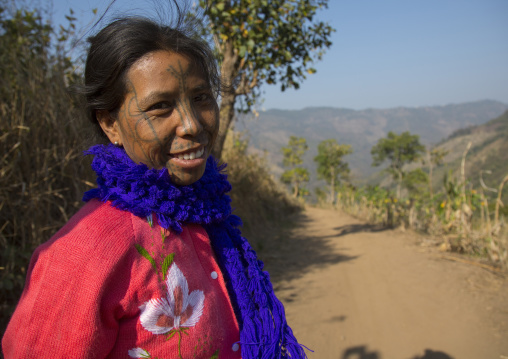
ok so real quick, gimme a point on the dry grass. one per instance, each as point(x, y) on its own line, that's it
point(42, 173)
point(462, 224)
point(257, 197)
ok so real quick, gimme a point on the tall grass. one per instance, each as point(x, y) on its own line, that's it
point(42, 135)
point(459, 217)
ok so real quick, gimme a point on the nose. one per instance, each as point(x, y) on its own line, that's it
point(190, 124)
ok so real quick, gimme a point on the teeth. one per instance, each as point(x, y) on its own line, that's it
point(192, 155)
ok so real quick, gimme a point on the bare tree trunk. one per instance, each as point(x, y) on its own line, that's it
point(482, 212)
point(227, 105)
point(463, 222)
point(399, 184)
point(487, 214)
point(498, 201)
point(429, 158)
point(332, 186)
point(463, 172)
point(227, 113)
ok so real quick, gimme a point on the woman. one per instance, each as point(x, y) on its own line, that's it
point(153, 265)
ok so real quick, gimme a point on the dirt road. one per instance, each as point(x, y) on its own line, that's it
point(357, 291)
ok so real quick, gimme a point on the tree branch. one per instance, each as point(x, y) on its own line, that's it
point(244, 87)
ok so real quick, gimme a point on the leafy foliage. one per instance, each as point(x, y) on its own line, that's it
point(331, 166)
point(296, 176)
point(263, 41)
point(292, 157)
point(399, 150)
point(415, 181)
point(294, 151)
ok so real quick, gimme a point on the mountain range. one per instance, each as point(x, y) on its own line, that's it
point(270, 131)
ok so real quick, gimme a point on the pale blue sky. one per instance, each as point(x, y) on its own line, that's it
point(390, 53)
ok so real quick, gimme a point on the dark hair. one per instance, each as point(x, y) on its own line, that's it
point(124, 41)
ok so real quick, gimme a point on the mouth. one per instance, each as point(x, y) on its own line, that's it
point(192, 154)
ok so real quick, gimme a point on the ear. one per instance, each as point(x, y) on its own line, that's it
point(109, 125)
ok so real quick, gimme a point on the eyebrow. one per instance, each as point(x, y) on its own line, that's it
point(152, 97)
point(155, 96)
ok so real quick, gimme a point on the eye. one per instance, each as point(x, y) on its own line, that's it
point(202, 97)
point(163, 105)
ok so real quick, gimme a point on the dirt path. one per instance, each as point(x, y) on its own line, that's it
point(357, 291)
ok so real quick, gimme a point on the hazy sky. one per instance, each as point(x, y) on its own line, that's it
point(390, 53)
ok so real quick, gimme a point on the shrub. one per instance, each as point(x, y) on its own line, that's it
point(42, 173)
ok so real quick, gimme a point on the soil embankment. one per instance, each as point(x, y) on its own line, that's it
point(358, 291)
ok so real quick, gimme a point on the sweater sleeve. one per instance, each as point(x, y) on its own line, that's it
point(74, 292)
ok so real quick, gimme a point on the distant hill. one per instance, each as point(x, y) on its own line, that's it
point(489, 152)
point(361, 128)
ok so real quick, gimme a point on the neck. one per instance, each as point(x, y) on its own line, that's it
point(143, 191)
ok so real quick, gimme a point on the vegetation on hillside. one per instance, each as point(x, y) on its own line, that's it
point(361, 129)
point(460, 210)
point(463, 217)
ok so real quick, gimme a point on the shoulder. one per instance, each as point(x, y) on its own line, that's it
point(96, 218)
point(77, 279)
point(96, 222)
point(96, 236)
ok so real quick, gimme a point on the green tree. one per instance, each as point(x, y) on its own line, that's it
point(415, 181)
point(296, 176)
point(292, 158)
point(331, 166)
point(262, 41)
point(399, 150)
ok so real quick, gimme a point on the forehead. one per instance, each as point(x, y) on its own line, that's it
point(163, 68)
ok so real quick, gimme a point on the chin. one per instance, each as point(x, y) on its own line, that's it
point(186, 179)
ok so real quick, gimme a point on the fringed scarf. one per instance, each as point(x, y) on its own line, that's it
point(264, 332)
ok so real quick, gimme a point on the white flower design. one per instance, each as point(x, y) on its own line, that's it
point(178, 310)
point(139, 353)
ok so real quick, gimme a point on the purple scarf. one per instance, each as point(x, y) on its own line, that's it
point(264, 332)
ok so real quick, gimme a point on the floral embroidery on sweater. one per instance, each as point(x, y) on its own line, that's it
point(177, 312)
point(139, 353)
point(172, 315)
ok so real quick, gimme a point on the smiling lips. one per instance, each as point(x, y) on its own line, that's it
point(190, 155)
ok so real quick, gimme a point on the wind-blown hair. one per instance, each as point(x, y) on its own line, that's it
point(115, 48)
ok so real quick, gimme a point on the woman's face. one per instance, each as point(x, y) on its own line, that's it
point(169, 117)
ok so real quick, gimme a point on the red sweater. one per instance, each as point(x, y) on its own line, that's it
point(112, 285)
